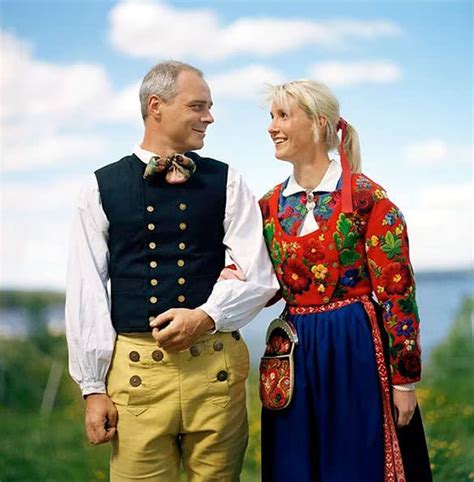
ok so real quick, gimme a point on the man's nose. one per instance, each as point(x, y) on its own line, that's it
point(207, 118)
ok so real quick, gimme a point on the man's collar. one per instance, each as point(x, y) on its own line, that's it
point(328, 182)
point(143, 154)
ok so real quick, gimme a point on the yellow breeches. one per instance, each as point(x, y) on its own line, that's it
point(184, 407)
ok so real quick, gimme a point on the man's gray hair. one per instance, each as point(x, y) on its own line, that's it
point(161, 81)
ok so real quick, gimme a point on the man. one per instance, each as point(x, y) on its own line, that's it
point(161, 363)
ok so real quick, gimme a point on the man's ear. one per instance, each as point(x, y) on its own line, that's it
point(154, 106)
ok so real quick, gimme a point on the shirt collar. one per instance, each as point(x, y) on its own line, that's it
point(328, 182)
point(143, 154)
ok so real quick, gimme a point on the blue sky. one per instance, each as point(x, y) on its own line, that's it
point(70, 73)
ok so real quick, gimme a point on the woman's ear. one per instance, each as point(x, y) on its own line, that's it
point(322, 121)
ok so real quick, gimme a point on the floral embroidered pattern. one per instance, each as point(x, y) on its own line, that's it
point(350, 255)
point(295, 275)
point(275, 382)
point(292, 212)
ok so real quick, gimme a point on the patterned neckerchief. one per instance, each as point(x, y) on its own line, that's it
point(292, 208)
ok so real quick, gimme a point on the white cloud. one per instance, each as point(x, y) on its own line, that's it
point(43, 102)
point(34, 254)
point(57, 197)
point(42, 91)
point(53, 149)
point(155, 30)
point(244, 82)
point(436, 151)
point(125, 106)
point(440, 226)
point(356, 72)
point(35, 232)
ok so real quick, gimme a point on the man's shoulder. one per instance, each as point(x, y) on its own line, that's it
point(207, 160)
point(113, 166)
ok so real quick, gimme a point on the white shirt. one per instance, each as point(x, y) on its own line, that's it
point(232, 303)
point(328, 184)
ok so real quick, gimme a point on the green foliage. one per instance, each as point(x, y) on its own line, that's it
point(51, 449)
point(391, 245)
point(408, 304)
point(31, 300)
point(24, 371)
point(36, 304)
point(346, 241)
point(447, 401)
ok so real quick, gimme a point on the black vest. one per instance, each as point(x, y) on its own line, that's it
point(165, 240)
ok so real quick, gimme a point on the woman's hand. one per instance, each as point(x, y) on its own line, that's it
point(405, 404)
point(231, 272)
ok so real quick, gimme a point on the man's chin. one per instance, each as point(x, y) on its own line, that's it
point(195, 146)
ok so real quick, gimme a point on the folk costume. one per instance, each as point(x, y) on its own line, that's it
point(332, 248)
point(161, 230)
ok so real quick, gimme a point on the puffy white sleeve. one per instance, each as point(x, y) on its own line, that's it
point(233, 303)
point(89, 330)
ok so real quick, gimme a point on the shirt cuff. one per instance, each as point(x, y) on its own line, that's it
point(92, 387)
point(215, 313)
point(404, 387)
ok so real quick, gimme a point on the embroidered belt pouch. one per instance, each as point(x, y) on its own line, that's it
point(276, 365)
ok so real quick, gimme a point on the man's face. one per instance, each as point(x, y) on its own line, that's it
point(184, 121)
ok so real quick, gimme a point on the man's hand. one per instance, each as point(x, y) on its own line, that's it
point(183, 328)
point(101, 418)
point(405, 404)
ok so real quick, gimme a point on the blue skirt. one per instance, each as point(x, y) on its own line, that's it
point(332, 430)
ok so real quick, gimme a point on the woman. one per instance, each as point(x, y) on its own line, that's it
point(335, 239)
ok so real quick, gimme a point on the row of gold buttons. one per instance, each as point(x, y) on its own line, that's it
point(180, 262)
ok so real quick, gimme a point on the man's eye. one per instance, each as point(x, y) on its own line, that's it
point(197, 107)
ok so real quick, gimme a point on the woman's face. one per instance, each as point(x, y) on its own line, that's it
point(291, 131)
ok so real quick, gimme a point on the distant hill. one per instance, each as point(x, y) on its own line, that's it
point(27, 298)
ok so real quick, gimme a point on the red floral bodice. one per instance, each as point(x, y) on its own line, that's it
point(350, 255)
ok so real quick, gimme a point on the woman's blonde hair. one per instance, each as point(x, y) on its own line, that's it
point(317, 100)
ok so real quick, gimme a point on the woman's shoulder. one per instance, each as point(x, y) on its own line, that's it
point(271, 192)
point(368, 194)
point(363, 185)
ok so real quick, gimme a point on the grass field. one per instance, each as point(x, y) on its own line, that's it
point(52, 448)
